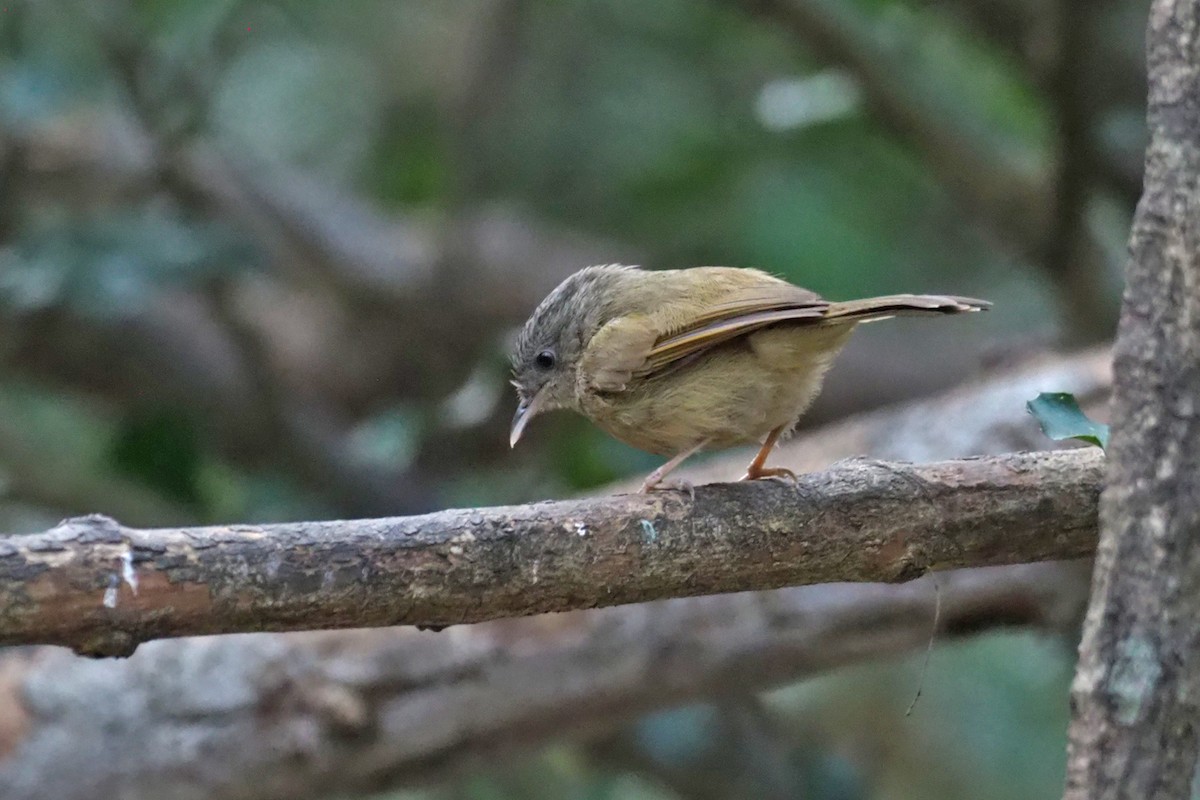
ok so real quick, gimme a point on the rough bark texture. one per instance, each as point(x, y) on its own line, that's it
point(860, 521)
point(309, 715)
point(1136, 726)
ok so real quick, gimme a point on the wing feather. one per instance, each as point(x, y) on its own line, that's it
point(721, 305)
point(693, 341)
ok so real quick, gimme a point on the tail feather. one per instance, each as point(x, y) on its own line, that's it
point(894, 305)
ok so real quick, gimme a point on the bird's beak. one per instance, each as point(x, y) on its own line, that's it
point(526, 410)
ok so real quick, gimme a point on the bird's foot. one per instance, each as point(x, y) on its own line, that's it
point(655, 483)
point(756, 473)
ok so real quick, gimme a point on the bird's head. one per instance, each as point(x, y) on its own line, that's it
point(549, 348)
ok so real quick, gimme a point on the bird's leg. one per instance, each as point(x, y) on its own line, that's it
point(756, 469)
point(654, 479)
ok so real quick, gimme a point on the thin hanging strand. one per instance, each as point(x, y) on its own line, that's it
point(937, 617)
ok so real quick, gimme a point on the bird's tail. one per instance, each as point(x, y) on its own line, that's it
point(897, 305)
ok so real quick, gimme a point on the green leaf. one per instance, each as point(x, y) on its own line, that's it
point(1061, 418)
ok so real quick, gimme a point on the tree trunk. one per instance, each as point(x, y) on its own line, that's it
point(1136, 720)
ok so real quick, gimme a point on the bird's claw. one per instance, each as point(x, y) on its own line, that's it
point(770, 472)
point(675, 485)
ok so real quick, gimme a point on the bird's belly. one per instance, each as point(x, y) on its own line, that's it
point(731, 396)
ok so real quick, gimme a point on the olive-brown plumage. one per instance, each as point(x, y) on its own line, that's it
point(676, 361)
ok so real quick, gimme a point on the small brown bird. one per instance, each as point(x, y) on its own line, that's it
point(677, 361)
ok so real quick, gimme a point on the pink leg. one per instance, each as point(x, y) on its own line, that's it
point(656, 477)
point(756, 469)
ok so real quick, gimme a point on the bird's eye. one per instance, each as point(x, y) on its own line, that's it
point(545, 359)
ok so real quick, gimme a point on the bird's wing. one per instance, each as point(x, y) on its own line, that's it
point(742, 311)
point(721, 304)
point(616, 352)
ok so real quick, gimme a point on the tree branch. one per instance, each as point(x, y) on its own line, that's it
point(860, 521)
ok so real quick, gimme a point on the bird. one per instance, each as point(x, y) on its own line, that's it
point(673, 362)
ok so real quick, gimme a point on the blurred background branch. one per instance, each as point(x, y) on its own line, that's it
point(314, 715)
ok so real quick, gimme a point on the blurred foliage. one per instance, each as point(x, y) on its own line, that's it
point(969, 734)
point(990, 725)
point(111, 264)
point(162, 450)
point(690, 132)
